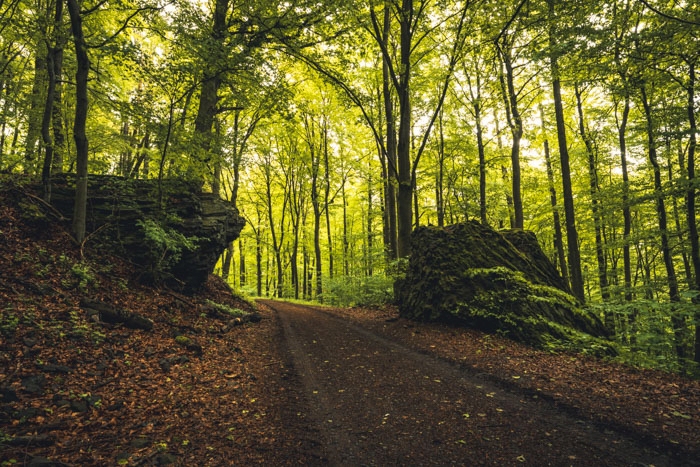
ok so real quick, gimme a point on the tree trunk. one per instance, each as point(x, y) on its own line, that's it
point(370, 229)
point(46, 124)
point(211, 82)
point(79, 126)
point(440, 174)
point(37, 103)
point(558, 238)
point(594, 191)
point(405, 197)
point(241, 263)
point(575, 275)
point(346, 243)
point(258, 260)
point(59, 138)
point(316, 204)
point(626, 211)
point(226, 263)
point(515, 123)
point(673, 292)
point(391, 148)
point(482, 159)
point(690, 199)
point(326, 196)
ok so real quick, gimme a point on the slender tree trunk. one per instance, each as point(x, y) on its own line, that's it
point(276, 239)
point(346, 243)
point(504, 177)
point(326, 197)
point(673, 292)
point(482, 159)
point(594, 191)
point(258, 261)
point(440, 174)
point(675, 209)
point(5, 93)
point(516, 127)
point(79, 127)
point(626, 211)
point(558, 238)
point(370, 229)
point(316, 203)
point(59, 138)
point(391, 147)
point(575, 275)
point(226, 263)
point(405, 195)
point(46, 125)
point(690, 199)
point(241, 263)
point(37, 104)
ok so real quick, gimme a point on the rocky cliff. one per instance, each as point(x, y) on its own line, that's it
point(174, 230)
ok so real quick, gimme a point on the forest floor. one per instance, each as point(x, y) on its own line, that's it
point(304, 386)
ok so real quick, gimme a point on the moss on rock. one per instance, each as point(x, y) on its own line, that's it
point(472, 275)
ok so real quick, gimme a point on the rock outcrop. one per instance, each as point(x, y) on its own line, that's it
point(174, 230)
point(495, 281)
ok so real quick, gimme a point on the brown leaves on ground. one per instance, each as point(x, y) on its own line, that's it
point(82, 392)
point(661, 408)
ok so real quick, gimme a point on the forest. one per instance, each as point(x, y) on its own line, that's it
point(336, 128)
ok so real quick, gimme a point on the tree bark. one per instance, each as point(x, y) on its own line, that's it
point(515, 123)
point(46, 125)
point(211, 82)
point(391, 147)
point(79, 126)
point(626, 211)
point(673, 291)
point(405, 195)
point(690, 199)
point(575, 275)
point(558, 238)
point(482, 160)
point(594, 191)
point(440, 174)
point(37, 104)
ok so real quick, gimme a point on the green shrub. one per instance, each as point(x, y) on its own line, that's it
point(359, 291)
point(235, 312)
point(164, 248)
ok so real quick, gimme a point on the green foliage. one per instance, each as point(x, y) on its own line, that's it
point(359, 291)
point(183, 340)
point(84, 274)
point(235, 312)
point(8, 322)
point(164, 247)
point(539, 315)
point(646, 332)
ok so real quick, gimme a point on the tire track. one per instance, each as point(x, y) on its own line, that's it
point(376, 402)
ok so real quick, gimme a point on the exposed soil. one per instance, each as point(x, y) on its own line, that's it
point(381, 396)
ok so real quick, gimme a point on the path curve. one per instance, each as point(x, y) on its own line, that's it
point(376, 402)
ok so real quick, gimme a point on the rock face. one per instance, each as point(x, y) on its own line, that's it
point(495, 281)
point(176, 233)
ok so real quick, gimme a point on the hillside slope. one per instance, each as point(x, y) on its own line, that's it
point(196, 389)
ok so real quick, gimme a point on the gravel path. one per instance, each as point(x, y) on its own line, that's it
point(374, 402)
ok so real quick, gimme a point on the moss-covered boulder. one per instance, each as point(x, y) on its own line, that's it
point(173, 230)
point(495, 281)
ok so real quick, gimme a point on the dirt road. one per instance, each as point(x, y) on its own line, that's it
point(375, 402)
